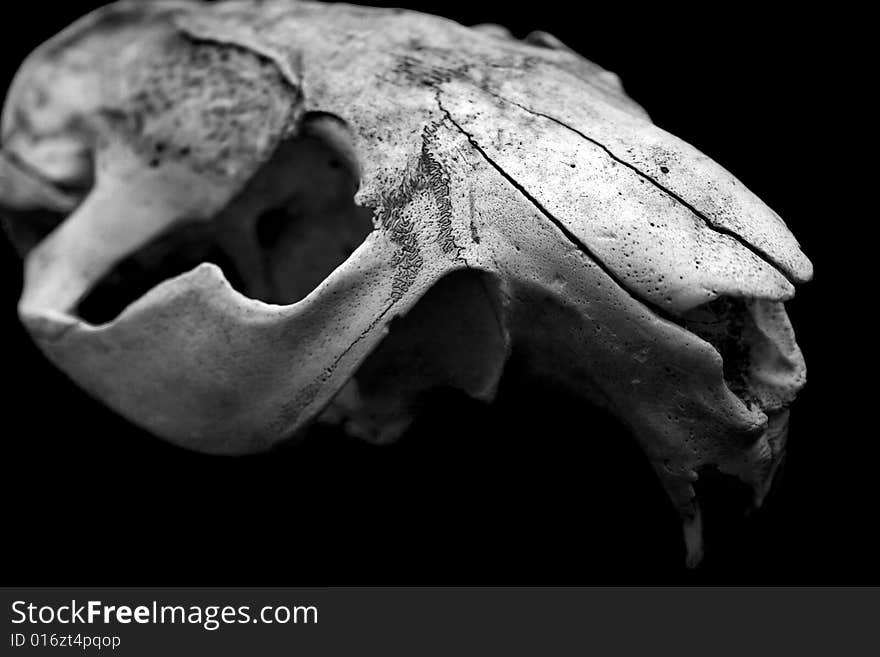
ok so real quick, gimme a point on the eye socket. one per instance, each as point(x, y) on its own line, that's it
point(305, 222)
point(292, 224)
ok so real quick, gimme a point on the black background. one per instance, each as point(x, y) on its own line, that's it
point(535, 489)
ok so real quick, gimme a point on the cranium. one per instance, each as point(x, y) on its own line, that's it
point(397, 202)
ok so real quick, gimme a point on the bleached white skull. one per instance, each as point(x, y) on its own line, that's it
point(396, 201)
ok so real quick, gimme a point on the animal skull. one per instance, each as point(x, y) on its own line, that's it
point(397, 200)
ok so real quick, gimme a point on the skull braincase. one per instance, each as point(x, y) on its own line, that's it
point(397, 201)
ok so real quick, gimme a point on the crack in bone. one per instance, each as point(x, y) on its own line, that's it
point(570, 236)
point(721, 230)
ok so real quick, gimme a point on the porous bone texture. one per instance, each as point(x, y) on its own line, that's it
point(438, 195)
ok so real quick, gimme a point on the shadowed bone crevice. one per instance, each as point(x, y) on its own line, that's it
point(288, 228)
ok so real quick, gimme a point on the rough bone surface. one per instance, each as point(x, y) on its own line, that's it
point(244, 217)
